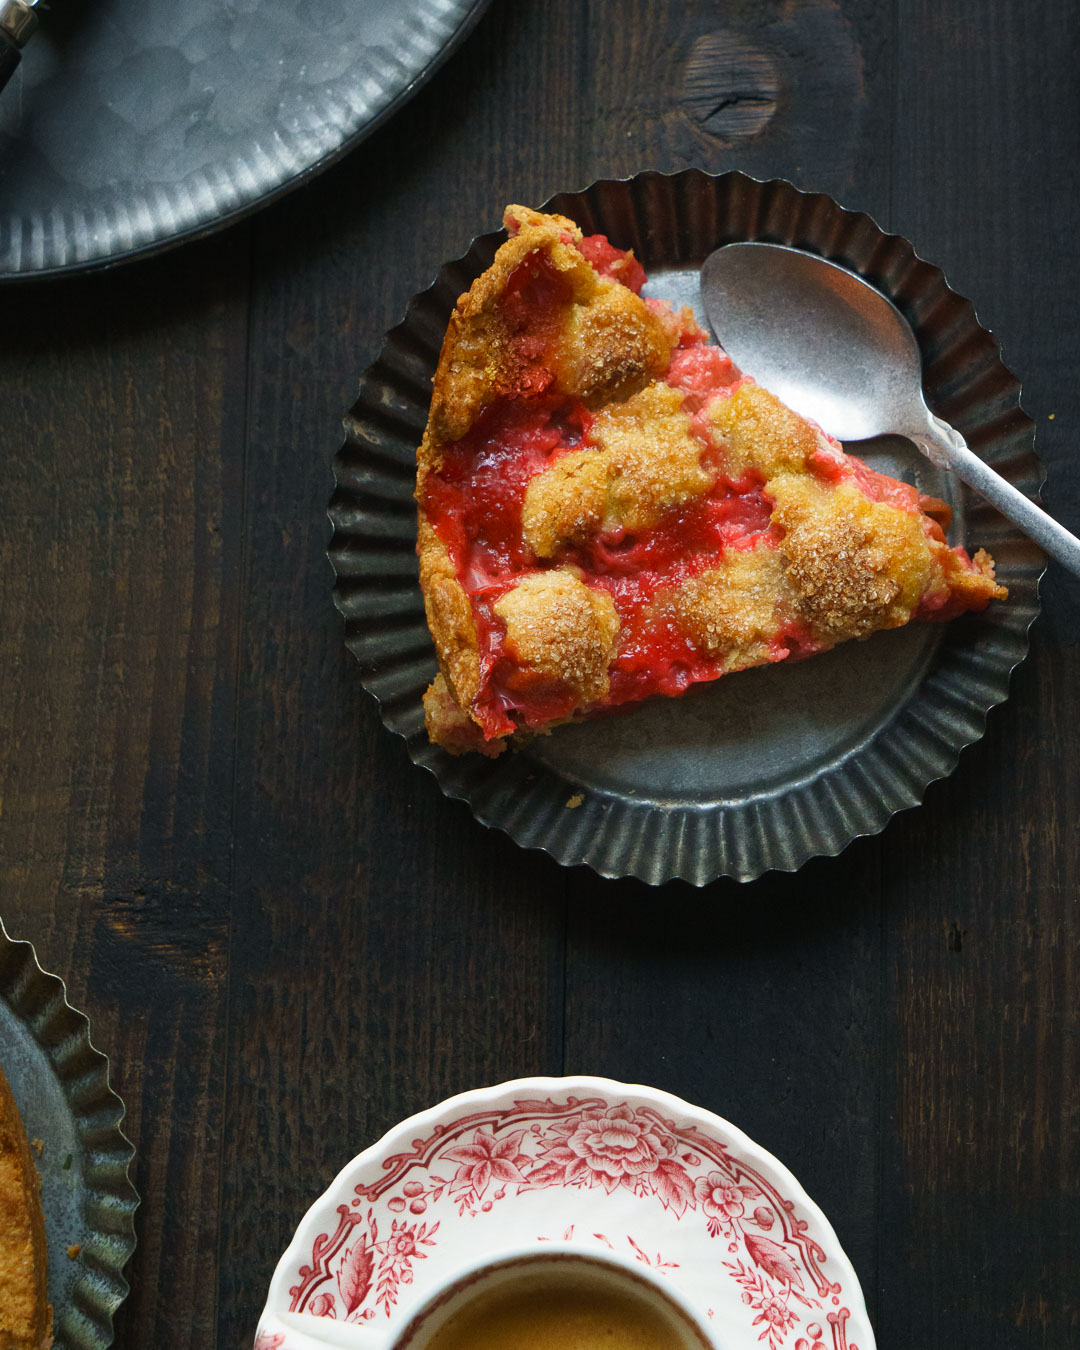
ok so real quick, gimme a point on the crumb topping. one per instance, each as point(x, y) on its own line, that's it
point(754, 430)
point(642, 459)
point(736, 610)
point(855, 565)
point(25, 1315)
point(612, 345)
point(602, 340)
point(561, 631)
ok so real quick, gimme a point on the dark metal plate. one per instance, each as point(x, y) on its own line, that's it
point(770, 767)
point(131, 124)
point(61, 1086)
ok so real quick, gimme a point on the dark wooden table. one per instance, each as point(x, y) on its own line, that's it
point(286, 938)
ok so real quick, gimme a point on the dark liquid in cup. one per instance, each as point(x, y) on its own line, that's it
point(562, 1313)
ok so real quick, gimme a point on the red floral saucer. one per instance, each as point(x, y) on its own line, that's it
point(626, 1170)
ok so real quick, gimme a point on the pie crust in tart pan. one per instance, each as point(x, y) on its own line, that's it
point(60, 1082)
point(772, 766)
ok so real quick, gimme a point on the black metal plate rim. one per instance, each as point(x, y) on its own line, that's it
point(62, 1032)
point(292, 183)
point(560, 833)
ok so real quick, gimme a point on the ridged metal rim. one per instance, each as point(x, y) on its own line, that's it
point(62, 1033)
point(163, 216)
point(665, 217)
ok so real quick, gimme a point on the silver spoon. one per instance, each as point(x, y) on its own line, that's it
point(836, 350)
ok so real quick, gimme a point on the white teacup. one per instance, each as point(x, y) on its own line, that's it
point(482, 1284)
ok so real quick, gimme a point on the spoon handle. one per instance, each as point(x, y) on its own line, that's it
point(945, 447)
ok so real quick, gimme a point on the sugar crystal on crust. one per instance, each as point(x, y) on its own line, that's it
point(754, 430)
point(855, 565)
point(612, 345)
point(608, 341)
point(735, 610)
point(561, 630)
point(641, 459)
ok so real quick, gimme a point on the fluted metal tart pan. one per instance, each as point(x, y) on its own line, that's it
point(61, 1086)
point(767, 768)
point(132, 125)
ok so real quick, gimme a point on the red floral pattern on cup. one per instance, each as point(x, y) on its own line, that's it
point(468, 1166)
point(616, 1145)
point(484, 1160)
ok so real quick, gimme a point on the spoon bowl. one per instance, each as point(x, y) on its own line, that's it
point(817, 336)
point(837, 351)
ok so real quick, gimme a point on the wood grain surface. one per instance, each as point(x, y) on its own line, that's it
point(287, 939)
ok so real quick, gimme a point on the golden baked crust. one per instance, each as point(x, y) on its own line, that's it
point(560, 631)
point(641, 460)
point(452, 728)
point(25, 1315)
point(607, 344)
point(737, 609)
point(608, 510)
point(754, 430)
point(449, 616)
point(856, 566)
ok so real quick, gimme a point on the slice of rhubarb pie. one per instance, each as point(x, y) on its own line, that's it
point(609, 509)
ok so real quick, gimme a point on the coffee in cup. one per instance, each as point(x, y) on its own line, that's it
point(558, 1300)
